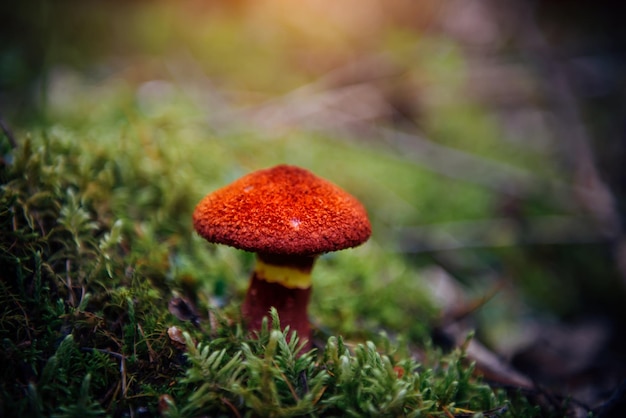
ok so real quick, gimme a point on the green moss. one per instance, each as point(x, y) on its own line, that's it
point(270, 376)
point(95, 243)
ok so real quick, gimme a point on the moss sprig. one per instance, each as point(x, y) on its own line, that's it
point(271, 377)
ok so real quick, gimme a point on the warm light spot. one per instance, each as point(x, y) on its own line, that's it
point(295, 223)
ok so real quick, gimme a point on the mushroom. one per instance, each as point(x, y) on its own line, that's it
point(288, 217)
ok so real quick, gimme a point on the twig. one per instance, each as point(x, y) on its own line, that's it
point(494, 412)
point(291, 389)
point(151, 353)
point(231, 406)
point(447, 412)
point(27, 328)
point(459, 313)
point(68, 283)
point(123, 374)
point(493, 367)
point(119, 356)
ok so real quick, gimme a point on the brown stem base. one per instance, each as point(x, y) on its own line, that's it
point(291, 305)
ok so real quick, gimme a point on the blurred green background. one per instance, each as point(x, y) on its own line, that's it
point(485, 140)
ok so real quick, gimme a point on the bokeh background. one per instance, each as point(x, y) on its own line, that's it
point(486, 139)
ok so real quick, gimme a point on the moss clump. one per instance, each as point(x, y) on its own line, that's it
point(78, 322)
point(270, 376)
point(93, 252)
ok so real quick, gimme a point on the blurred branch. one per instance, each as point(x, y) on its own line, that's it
point(357, 109)
point(592, 192)
point(497, 233)
point(450, 162)
point(342, 98)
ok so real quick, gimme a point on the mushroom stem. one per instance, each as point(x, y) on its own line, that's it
point(282, 282)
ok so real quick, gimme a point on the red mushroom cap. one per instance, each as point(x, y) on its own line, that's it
point(284, 210)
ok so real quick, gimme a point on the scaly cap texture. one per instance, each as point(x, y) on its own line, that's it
point(284, 210)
